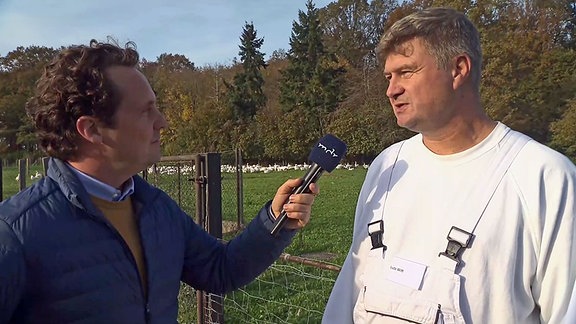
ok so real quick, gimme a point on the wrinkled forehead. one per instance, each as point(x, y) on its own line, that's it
point(412, 48)
point(399, 46)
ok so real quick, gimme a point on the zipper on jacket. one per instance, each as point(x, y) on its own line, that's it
point(147, 315)
point(125, 246)
point(137, 209)
point(132, 259)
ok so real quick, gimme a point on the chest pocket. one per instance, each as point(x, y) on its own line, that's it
point(384, 301)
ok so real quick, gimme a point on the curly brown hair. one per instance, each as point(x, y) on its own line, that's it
point(73, 85)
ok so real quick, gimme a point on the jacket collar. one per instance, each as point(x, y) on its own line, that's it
point(72, 187)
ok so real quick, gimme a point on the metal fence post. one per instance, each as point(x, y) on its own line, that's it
point(45, 165)
point(208, 178)
point(213, 218)
point(239, 188)
point(1, 181)
point(22, 174)
point(200, 210)
point(214, 194)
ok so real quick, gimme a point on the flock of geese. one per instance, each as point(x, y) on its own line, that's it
point(247, 168)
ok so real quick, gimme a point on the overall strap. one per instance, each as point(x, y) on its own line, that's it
point(376, 224)
point(474, 203)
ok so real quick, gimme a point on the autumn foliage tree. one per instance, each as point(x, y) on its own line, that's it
point(564, 132)
point(328, 81)
point(19, 70)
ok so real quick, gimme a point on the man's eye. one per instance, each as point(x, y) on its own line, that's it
point(407, 74)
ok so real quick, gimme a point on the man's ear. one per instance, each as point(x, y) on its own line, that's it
point(461, 70)
point(88, 128)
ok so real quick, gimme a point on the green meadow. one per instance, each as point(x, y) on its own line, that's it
point(290, 292)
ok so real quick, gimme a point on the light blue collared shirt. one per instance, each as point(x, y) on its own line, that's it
point(102, 190)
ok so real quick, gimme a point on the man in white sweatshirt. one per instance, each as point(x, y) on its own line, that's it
point(466, 222)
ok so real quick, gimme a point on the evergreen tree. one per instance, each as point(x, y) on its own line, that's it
point(311, 84)
point(245, 94)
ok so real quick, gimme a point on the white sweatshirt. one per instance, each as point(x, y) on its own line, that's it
point(520, 268)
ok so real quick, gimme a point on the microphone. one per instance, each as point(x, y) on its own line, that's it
point(325, 156)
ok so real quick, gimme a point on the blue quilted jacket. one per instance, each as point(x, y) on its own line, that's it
point(62, 262)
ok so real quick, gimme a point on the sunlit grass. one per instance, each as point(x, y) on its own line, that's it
point(280, 296)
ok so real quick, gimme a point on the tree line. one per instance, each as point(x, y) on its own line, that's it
point(329, 81)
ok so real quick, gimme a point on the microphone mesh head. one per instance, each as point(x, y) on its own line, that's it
point(328, 152)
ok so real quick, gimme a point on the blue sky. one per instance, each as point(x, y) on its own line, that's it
point(207, 32)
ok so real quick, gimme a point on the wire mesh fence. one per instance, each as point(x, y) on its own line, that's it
point(292, 290)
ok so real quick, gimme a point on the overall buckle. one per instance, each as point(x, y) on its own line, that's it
point(458, 241)
point(376, 232)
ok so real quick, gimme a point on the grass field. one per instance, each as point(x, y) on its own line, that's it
point(287, 293)
point(330, 227)
point(10, 185)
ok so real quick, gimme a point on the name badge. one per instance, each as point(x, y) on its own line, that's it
point(406, 273)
